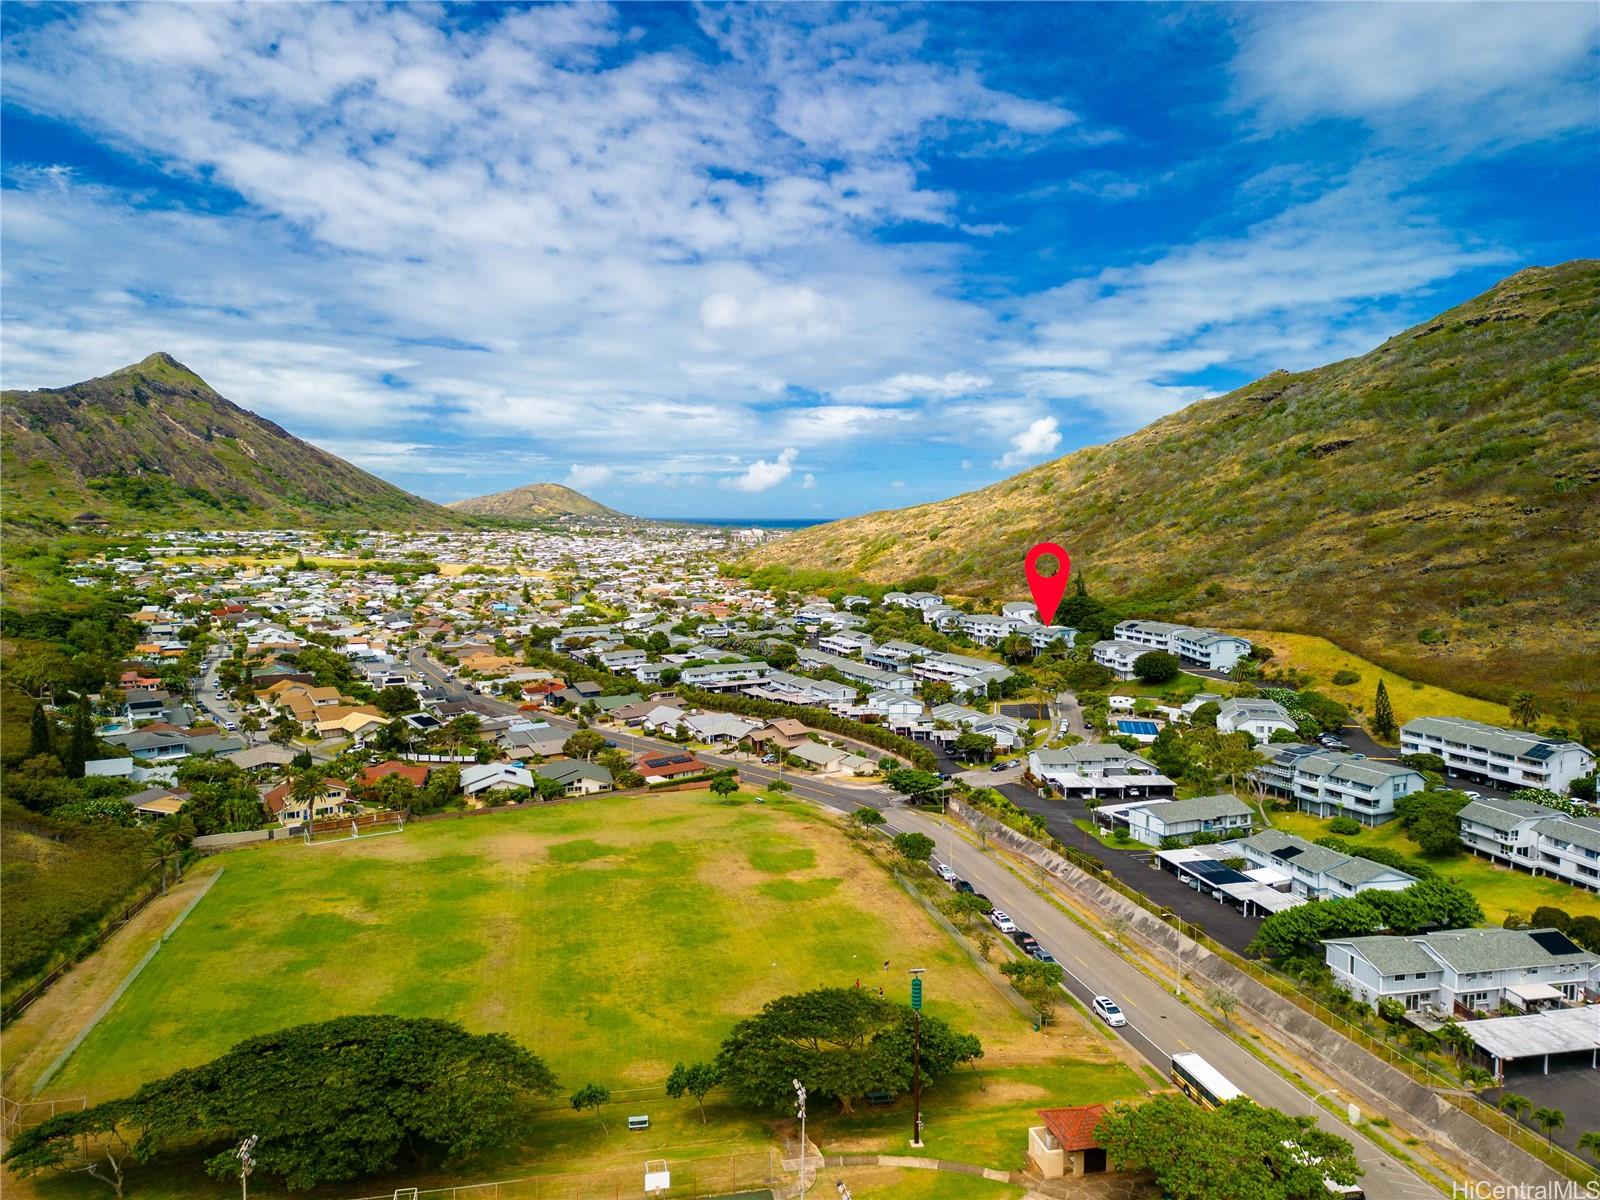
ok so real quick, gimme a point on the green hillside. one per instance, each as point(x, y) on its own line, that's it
point(534, 502)
point(1433, 505)
point(153, 447)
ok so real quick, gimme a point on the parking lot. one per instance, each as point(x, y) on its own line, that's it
point(1222, 921)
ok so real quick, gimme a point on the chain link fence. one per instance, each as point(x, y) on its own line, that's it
point(691, 1178)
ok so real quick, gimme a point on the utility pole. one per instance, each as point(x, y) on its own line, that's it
point(800, 1109)
point(916, 1057)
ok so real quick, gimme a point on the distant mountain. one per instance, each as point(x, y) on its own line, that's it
point(152, 446)
point(534, 502)
point(1433, 505)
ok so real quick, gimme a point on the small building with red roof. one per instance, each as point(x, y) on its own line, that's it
point(417, 773)
point(1066, 1144)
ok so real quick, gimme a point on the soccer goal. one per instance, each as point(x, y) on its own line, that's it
point(657, 1177)
point(362, 825)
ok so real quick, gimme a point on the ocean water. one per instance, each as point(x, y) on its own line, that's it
point(753, 522)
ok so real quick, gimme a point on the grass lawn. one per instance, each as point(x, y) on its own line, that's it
point(614, 938)
point(1185, 685)
point(1408, 697)
point(1499, 889)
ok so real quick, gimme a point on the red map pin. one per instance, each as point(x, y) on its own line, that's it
point(1047, 589)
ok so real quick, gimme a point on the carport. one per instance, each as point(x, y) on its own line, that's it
point(1260, 899)
point(1539, 1035)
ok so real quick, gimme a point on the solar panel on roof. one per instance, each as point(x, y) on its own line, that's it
point(1554, 941)
point(1215, 873)
point(1286, 852)
point(1541, 751)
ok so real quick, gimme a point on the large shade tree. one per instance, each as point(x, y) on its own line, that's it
point(328, 1102)
point(841, 1042)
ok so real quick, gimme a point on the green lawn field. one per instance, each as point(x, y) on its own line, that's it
point(1499, 890)
point(614, 938)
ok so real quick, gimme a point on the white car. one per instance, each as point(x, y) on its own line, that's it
point(944, 872)
point(230, 725)
point(1106, 1009)
point(1002, 922)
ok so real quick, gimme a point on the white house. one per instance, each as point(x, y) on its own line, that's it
point(1534, 837)
point(985, 628)
point(1182, 819)
point(1510, 758)
point(1259, 718)
point(1463, 970)
point(1317, 872)
point(724, 676)
point(1118, 657)
point(494, 777)
point(845, 642)
point(1200, 647)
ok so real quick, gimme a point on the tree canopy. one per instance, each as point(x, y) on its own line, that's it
point(841, 1042)
point(1240, 1149)
point(329, 1101)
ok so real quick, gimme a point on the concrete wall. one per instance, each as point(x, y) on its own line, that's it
point(1385, 1088)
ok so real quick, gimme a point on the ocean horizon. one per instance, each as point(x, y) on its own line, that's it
point(753, 522)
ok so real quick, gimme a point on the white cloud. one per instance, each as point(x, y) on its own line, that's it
point(583, 476)
point(1034, 442)
point(809, 482)
point(912, 386)
point(761, 476)
point(1458, 74)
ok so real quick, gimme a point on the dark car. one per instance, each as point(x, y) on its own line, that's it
point(961, 885)
point(1040, 953)
point(1025, 941)
point(1000, 766)
point(610, 744)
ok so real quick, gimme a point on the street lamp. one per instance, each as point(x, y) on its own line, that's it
point(916, 1057)
point(247, 1163)
point(800, 1111)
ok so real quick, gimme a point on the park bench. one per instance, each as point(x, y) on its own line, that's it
point(638, 1122)
point(879, 1097)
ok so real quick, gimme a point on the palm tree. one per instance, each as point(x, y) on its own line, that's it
point(169, 837)
point(1589, 1143)
point(1477, 1078)
point(1515, 1104)
point(1454, 1037)
point(306, 788)
point(1549, 1120)
point(1525, 709)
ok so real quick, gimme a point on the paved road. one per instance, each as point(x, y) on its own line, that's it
point(1158, 1023)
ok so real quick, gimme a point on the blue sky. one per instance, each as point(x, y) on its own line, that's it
point(787, 261)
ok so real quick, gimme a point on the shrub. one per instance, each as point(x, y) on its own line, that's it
point(1344, 826)
point(1346, 677)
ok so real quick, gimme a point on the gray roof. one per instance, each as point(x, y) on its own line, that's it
point(567, 770)
point(1513, 742)
point(1580, 831)
point(1389, 954)
point(1347, 868)
point(1257, 710)
point(1501, 949)
point(1503, 813)
point(1337, 765)
point(1200, 808)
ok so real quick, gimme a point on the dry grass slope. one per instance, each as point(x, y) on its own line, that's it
point(1432, 505)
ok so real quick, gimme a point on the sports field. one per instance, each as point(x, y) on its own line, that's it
point(614, 938)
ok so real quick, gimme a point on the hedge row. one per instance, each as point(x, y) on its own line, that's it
point(1378, 854)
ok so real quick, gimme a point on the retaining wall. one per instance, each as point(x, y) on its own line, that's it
point(1384, 1087)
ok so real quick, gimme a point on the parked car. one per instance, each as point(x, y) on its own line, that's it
point(1040, 953)
point(769, 758)
point(1472, 795)
point(944, 872)
point(610, 745)
point(1106, 1009)
point(230, 726)
point(999, 767)
point(962, 886)
point(1002, 922)
point(1024, 939)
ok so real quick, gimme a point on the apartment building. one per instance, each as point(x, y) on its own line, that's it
point(1182, 819)
point(856, 672)
point(1259, 718)
point(1510, 758)
point(1119, 656)
point(1464, 970)
point(714, 677)
point(1327, 783)
point(1317, 872)
point(1536, 838)
point(1208, 648)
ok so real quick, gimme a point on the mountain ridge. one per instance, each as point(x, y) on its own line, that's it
point(1431, 504)
point(153, 446)
point(532, 502)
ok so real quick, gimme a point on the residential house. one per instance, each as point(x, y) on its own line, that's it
point(577, 778)
point(779, 734)
point(1118, 656)
point(662, 766)
point(831, 760)
point(1509, 758)
point(334, 801)
point(480, 778)
point(1198, 647)
point(1534, 837)
point(414, 773)
point(1464, 970)
point(715, 727)
point(1317, 872)
point(1153, 822)
point(724, 677)
point(1258, 717)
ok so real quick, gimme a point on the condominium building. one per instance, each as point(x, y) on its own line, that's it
point(1330, 783)
point(1511, 758)
point(1536, 838)
point(1318, 873)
